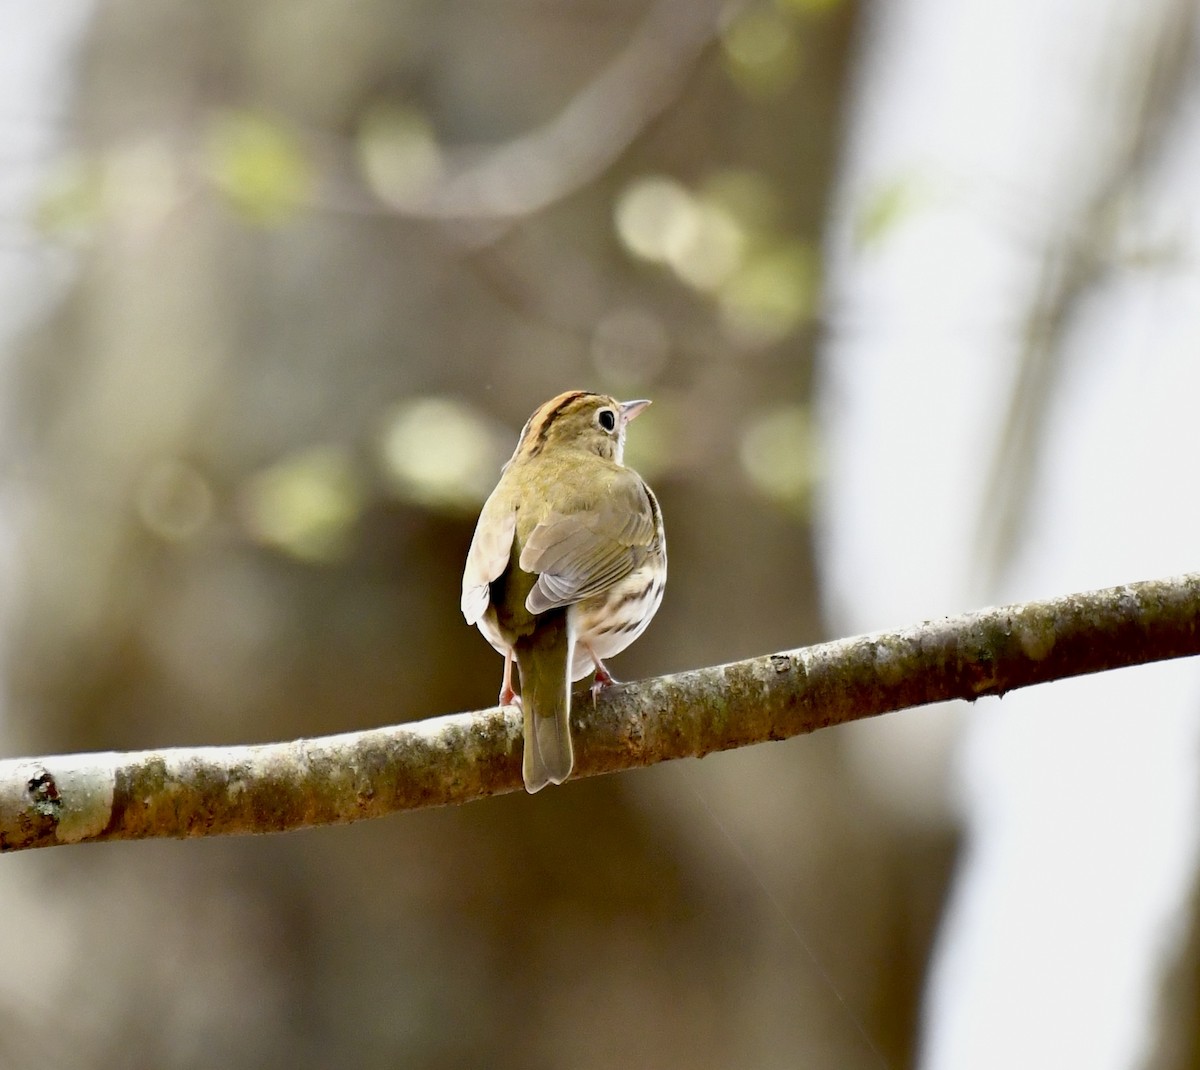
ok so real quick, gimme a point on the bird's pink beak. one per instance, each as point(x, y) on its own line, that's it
point(630, 409)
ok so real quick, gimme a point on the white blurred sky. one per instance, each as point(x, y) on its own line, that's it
point(1079, 798)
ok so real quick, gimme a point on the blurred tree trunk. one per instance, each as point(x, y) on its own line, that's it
point(204, 355)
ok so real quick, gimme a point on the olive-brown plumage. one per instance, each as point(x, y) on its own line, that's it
point(567, 566)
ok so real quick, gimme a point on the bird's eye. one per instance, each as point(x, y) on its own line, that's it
point(607, 419)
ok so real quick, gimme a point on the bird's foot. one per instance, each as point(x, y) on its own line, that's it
point(508, 697)
point(604, 679)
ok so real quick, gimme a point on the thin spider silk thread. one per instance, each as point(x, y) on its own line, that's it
point(771, 898)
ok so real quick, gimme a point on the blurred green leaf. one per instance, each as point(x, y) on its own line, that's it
point(748, 196)
point(761, 52)
point(809, 7)
point(780, 456)
point(259, 165)
point(885, 208)
point(72, 203)
point(774, 293)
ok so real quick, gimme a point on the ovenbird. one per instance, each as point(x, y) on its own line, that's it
point(567, 566)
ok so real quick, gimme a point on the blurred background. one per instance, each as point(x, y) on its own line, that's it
point(913, 287)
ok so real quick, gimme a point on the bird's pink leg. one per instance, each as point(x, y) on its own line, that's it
point(603, 677)
point(508, 697)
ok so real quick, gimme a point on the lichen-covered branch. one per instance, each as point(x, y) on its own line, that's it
point(209, 791)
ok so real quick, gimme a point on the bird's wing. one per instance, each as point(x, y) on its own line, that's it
point(491, 548)
point(585, 551)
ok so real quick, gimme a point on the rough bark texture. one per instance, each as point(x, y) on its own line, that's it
point(276, 787)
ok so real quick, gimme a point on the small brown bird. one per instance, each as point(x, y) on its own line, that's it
point(567, 566)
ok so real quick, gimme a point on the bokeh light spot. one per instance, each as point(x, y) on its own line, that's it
point(306, 505)
point(747, 196)
point(654, 215)
point(773, 294)
point(399, 154)
point(779, 454)
point(708, 252)
point(174, 500)
point(259, 166)
point(630, 347)
point(440, 453)
point(761, 52)
point(809, 7)
point(659, 219)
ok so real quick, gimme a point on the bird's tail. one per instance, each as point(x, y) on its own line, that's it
point(544, 659)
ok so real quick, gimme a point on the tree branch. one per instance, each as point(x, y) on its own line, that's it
point(209, 791)
point(501, 183)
